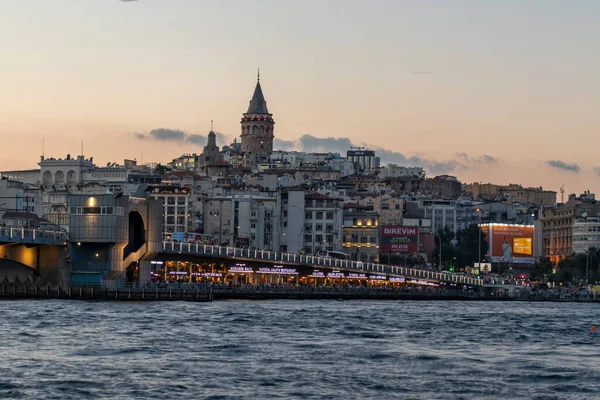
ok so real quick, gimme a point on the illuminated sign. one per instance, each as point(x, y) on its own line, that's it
point(397, 279)
point(178, 273)
point(399, 239)
point(353, 275)
point(240, 269)
point(509, 243)
point(317, 274)
point(207, 274)
point(335, 275)
point(279, 271)
point(378, 277)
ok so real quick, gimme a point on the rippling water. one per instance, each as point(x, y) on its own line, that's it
point(299, 349)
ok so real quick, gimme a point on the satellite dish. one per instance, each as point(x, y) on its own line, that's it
point(584, 214)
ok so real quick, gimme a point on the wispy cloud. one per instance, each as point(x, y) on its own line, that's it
point(563, 166)
point(597, 170)
point(178, 136)
point(333, 144)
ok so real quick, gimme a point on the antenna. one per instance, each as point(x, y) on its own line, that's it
point(258, 76)
point(81, 146)
point(211, 124)
point(562, 193)
point(43, 147)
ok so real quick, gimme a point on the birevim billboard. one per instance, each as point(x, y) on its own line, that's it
point(509, 243)
point(399, 239)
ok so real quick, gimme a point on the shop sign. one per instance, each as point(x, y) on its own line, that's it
point(178, 273)
point(397, 279)
point(378, 277)
point(353, 275)
point(317, 274)
point(238, 268)
point(280, 271)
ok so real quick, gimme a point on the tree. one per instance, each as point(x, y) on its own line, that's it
point(468, 245)
point(542, 269)
point(161, 169)
point(448, 250)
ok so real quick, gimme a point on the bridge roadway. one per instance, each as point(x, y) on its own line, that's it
point(32, 236)
point(272, 257)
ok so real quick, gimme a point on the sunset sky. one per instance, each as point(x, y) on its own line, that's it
point(500, 91)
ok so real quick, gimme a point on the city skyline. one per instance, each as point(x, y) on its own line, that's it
point(497, 93)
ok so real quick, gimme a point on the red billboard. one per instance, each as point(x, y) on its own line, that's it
point(399, 239)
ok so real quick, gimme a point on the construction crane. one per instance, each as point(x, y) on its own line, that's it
point(562, 193)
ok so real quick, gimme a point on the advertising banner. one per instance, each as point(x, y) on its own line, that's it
point(509, 243)
point(399, 239)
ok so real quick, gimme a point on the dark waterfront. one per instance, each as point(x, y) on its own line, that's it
point(299, 349)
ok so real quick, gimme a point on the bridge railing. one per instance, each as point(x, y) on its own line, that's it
point(255, 254)
point(33, 235)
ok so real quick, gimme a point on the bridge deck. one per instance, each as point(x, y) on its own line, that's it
point(315, 261)
point(32, 236)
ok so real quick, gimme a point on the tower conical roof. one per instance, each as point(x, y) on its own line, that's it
point(258, 105)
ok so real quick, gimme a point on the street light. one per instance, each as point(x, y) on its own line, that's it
point(479, 236)
point(440, 238)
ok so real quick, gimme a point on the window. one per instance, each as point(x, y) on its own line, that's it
point(329, 238)
point(329, 228)
point(318, 238)
point(283, 248)
point(329, 214)
point(308, 238)
point(319, 215)
point(253, 214)
point(308, 215)
point(285, 213)
point(253, 225)
point(307, 228)
point(318, 228)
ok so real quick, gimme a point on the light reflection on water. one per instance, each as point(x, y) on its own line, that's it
point(299, 349)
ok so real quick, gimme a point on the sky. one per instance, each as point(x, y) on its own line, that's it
point(488, 91)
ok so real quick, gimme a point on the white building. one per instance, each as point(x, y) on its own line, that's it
point(398, 171)
point(241, 221)
point(177, 210)
point(308, 222)
point(586, 234)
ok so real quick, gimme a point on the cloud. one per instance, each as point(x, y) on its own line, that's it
point(329, 144)
point(280, 144)
point(179, 136)
point(563, 166)
point(196, 139)
point(174, 135)
point(311, 143)
point(597, 170)
point(476, 161)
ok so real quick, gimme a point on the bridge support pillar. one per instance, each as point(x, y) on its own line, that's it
point(145, 268)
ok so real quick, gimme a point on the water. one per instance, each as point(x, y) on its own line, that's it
point(299, 350)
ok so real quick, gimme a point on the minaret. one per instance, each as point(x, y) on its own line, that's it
point(211, 150)
point(257, 129)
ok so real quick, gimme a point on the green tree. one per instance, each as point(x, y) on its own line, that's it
point(161, 169)
point(448, 250)
point(468, 245)
point(542, 269)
